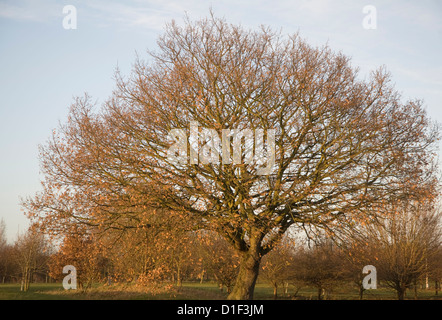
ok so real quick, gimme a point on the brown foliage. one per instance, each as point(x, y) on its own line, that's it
point(82, 251)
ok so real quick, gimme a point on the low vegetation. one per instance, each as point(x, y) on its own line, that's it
point(195, 291)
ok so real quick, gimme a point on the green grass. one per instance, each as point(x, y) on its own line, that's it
point(37, 291)
point(190, 291)
point(55, 291)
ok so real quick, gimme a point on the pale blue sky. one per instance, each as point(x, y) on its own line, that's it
point(43, 66)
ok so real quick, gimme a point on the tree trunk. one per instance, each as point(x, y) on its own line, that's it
point(401, 293)
point(361, 292)
point(248, 272)
point(275, 291)
point(25, 280)
point(320, 291)
point(415, 289)
point(178, 277)
point(202, 275)
point(246, 279)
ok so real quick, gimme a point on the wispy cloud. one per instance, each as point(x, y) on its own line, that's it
point(423, 76)
point(128, 14)
point(146, 14)
point(153, 13)
point(28, 10)
point(135, 13)
point(424, 14)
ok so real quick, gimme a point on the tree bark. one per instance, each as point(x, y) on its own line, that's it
point(246, 279)
point(401, 293)
point(202, 275)
point(178, 277)
point(320, 293)
point(361, 292)
point(25, 280)
point(248, 271)
point(415, 289)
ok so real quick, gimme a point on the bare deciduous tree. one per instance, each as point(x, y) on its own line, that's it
point(404, 242)
point(319, 266)
point(5, 252)
point(277, 265)
point(30, 253)
point(343, 145)
point(435, 269)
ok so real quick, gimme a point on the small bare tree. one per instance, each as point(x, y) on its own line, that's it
point(31, 253)
point(320, 266)
point(357, 253)
point(404, 241)
point(435, 269)
point(277, 265)
point(5, 253)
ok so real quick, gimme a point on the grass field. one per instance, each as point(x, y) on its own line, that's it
point(188, 291)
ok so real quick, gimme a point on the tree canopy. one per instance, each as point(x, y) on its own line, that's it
point(343, 145)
